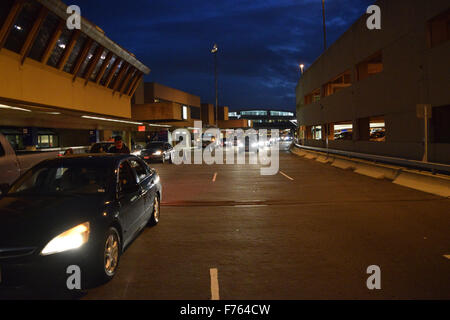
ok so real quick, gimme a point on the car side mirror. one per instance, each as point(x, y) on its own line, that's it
point(4, 188)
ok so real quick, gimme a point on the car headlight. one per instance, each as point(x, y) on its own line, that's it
point(137, 153)
point(68, 240)
point(157, 153)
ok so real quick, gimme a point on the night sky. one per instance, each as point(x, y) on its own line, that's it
point(261, 42)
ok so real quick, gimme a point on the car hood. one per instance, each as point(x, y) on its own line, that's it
point(32, 221)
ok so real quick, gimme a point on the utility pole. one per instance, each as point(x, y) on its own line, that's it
point(214, 51)
point(324, 27)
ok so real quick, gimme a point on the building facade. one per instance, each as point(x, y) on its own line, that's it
point(267, 119)
point(61, 87)
point(369, 91)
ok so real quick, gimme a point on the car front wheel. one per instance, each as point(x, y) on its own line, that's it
point(156, 212)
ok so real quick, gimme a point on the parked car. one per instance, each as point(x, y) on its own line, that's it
point(346, 135)
point(157, 151)
point(82, 210)
point(13, 164)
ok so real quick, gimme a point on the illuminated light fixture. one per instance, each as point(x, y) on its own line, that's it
point(17, 27)
point(2, 106)
point(62, 45)
point(112, 120)
point(71, 239)
point(53, 112)
point(302, 66)
point(159, 125)
point(215, 48)
point(185, 112)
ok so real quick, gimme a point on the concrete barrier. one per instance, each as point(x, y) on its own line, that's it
point(377, 171)
point(311, 155)
point(435, 184)
point(422, 181)
point(343, 164)
point(324, 159)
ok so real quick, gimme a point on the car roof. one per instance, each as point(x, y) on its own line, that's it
point(105, 159)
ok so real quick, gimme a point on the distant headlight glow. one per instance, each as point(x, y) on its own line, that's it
point(157, 153)
point(71, 239)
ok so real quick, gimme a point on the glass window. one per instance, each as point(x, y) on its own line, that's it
point(342, 131)
point(108, 70)
point(68, 178)
point(130, 82)
point(124, 77)
point(22, 26)
point(99, 64)
point(43, 37)
point(5, 7)
point(59, 48)
point(316, 132)
point(281, 113)
point(377, 129)
point(127, 178)
point(88, 59)
point(140, 170)
point(116, 74)
point(254, 113)
point(75, 53)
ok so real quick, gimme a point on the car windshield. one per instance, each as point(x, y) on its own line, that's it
point(62, 178)
point(155, 145)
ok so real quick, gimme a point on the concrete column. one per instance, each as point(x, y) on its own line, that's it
point(361, 129)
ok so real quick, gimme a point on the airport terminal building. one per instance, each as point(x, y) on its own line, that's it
point(370, 90)
point(61, 87)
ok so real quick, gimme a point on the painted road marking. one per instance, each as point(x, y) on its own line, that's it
point(213, 272)
point(284, 174)
point(214, 177)
point(447, 256)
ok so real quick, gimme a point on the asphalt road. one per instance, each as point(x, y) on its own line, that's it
point(270, 237)
point(308, 232)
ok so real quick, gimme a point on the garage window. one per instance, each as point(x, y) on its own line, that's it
point(342, 130)
point(377, 129)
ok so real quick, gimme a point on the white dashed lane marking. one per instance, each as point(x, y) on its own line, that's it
point(284, 174)
point(213, 272)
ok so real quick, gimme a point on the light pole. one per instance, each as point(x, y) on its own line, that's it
point(214, 51)
point(302, 66)
point(324, 27)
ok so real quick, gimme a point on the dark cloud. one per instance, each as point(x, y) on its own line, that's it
point(261, 42)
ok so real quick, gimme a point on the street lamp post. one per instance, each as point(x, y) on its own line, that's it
point(302, 66)
point(324, 27)
point(214, 51)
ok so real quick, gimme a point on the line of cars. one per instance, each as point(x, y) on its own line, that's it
point(155, 151)
point(79, 210)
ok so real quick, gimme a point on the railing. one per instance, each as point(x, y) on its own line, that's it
point(414, 164)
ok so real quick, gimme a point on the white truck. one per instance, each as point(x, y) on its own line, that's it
point(13, 164)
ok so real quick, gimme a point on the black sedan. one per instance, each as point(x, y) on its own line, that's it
point(157, 151)
point(75, 211)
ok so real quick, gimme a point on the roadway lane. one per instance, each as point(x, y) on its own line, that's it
point(271, 237)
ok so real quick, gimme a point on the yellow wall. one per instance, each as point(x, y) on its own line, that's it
point(34, 82)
